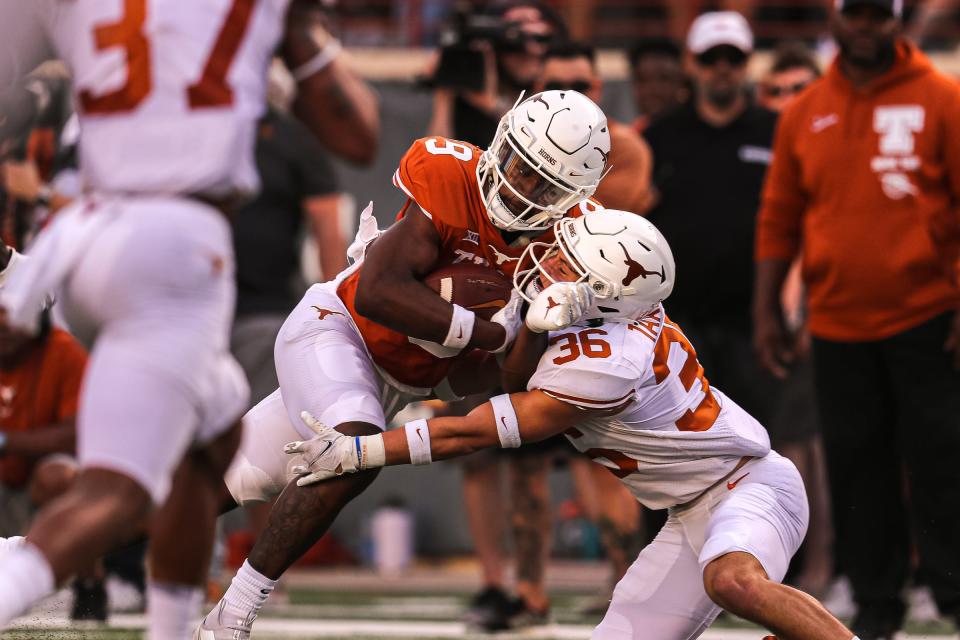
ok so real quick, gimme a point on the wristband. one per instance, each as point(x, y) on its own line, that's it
point(508, 427)
point(318, 62)
point(370, 451)
point(418, 440)
point(461, 328)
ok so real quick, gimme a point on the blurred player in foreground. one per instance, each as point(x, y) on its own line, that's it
point(624, 385)
point(168, 96)
point(357, 349)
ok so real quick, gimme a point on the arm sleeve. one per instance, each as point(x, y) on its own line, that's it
point(587, 383)
point(783, 201)
point(72, 362)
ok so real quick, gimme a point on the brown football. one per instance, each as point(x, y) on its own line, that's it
point(481, 289)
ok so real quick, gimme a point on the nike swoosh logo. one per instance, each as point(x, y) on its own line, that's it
point(733, 485)
point(503, 419)
point(458, 338)
point(320, 455)
point(419, 435)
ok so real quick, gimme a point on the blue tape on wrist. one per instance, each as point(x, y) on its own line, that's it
point(356, 442)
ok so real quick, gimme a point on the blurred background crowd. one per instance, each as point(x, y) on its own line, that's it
point(694, 107)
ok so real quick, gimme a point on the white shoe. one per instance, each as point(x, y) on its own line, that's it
point(838, 599)
point(219, 626)
point(921, 607)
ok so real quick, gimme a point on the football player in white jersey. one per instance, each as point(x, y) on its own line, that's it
point(624, 385)
point(168, 97)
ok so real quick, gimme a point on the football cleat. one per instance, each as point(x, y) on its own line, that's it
point(219, 625)
point(89, 600)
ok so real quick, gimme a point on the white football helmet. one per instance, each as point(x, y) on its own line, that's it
point(622, 256)
point(548, 154)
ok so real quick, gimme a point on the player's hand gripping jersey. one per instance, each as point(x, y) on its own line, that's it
point(168, 93)
point(440, 176)
point(669, 434)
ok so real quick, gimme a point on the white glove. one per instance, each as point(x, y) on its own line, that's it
point(328, 455)
point(509, 318)
point(435, 348)
point(558, 306)
point(367, 232)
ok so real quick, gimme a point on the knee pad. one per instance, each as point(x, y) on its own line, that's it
point(249, 484)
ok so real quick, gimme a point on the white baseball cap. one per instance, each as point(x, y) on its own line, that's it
point(718, 28)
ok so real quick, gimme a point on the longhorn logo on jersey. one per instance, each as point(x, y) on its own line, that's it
point(323, 313)
point(501, 257)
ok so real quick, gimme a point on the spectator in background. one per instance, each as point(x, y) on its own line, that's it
point(606, 500)
point(683, 12)
point(510, 66)
point(794, 428)
point(627, 185)
point(298, 190)
point(659, 82)
point(793, 68)
point(40, 378)
point(709, 161)
point(865, 182)
point(298, 193)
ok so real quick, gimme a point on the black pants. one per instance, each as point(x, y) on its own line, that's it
point(729, 364)
point(890, 418)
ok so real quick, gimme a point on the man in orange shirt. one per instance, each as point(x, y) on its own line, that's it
point(39, 386)
point(866, 181)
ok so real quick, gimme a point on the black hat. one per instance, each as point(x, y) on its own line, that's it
point(895, 7)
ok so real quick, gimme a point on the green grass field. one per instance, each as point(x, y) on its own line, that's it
point(315, 614)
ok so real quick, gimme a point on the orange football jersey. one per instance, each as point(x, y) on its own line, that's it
point(440, 176)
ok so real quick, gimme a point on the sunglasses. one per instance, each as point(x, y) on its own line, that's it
point(775, 90)
point(581, 86)
point(731, 55)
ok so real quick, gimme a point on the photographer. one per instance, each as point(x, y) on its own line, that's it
point(488, 58)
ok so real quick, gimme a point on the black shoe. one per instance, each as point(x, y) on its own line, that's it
point(879, 620)
point(873, 628)
point(518, 616)
point(488, 605)
point(89, 600)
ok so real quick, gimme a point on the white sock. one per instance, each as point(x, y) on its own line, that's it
point(172, 610)
point(248, 590)
point(25, 578)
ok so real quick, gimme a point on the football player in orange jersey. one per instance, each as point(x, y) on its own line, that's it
point(624, 385)
point(359, 348)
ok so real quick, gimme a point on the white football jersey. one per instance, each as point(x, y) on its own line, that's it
point(168, 91)
point(669, 435)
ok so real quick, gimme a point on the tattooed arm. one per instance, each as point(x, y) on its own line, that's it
point(335, 103)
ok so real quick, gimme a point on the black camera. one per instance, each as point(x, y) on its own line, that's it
point(461, 61)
